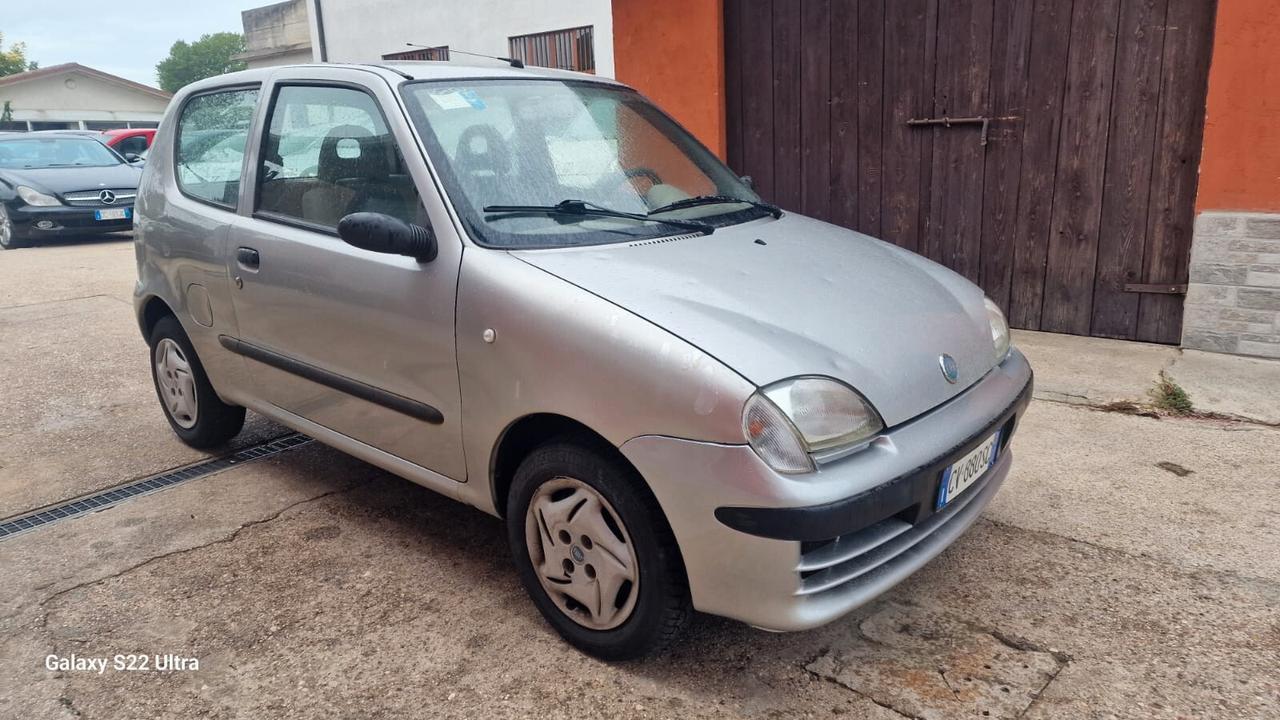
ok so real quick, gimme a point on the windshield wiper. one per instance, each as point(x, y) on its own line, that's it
point(773, 210)
point(582, 208)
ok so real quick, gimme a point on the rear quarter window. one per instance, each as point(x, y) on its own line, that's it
point(213, 132)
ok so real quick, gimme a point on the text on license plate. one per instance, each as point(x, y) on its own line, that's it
point(111, 214)
point(965, 471)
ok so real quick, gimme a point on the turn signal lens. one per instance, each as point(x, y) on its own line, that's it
point(773, 437)
point(999, 329)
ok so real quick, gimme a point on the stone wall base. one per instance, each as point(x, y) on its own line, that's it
point(1233, 300)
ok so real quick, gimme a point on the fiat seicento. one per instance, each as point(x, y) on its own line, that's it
point(534, 292)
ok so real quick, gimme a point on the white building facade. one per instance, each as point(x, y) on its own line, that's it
point(571, 34)
point(75, 97)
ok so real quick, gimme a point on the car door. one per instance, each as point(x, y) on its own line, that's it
point(358, 342)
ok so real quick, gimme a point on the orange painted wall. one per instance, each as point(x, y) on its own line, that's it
point(1240, 169)
point(673, 52)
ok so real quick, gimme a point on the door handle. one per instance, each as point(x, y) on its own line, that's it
point(248, 258)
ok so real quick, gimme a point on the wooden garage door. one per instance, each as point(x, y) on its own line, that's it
point(1080, 201)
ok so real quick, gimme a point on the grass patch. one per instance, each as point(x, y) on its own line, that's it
point(1169, 396)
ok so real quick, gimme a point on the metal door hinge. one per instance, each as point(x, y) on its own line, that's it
point(1157, 288)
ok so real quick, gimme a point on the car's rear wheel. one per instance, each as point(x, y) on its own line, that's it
point(7, 239)
point(193, 409)
point(595, 552)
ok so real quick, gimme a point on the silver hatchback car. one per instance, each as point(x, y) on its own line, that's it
point(534, 292)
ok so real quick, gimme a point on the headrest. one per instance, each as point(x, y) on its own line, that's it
point(350, 151)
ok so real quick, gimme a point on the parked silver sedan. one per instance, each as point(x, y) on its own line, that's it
point(536, 293)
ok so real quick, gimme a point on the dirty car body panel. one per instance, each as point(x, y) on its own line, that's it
point(656, 338)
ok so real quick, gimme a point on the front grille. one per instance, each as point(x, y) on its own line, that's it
point(829, 564)
point(93, 198)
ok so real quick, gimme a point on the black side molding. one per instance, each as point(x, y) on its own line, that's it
point(355, 388)
point(910, 496)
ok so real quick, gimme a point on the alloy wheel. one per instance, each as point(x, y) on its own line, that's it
point(177, 384)
point(582, 554)
point(6, 228)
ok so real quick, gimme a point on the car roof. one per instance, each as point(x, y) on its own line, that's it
point(398, 71)
point(118, 132)
point(44, 135)
point(65, 131)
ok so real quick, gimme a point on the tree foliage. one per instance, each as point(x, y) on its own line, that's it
point(14, 60)
point(210, 55)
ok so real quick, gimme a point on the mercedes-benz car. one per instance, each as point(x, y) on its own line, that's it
point(534, 292)
point(60, 185)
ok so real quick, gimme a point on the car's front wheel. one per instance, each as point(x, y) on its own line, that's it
point(193, 409)
point(595, 552)
point(7, 239)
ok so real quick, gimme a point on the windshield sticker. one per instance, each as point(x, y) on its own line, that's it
point(454, 99)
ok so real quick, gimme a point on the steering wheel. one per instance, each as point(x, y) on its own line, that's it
point(628, 184)
point(643, 172)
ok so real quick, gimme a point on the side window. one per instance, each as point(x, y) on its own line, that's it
point(136, 145)
point(328, 153)
point(212, 132)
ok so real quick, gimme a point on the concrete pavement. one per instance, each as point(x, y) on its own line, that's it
point(78, 411)
point(1127, 568)
point(1096, 371)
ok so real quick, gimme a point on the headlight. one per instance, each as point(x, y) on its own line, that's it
point(999, 329)
point(35, 197)
point(787, 421)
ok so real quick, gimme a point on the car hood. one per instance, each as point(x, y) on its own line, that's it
point(70, 179)
point(774, 299)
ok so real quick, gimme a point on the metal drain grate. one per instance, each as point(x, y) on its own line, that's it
point(107, 498)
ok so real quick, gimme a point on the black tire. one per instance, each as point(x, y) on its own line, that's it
point(7, 239)
point(662, 608)
point(215, 421)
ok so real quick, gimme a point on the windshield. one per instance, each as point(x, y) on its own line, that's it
point(50, 152)
point(540, 142)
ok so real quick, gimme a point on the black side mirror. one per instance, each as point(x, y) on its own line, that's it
point(386, 234)
point(132, 158)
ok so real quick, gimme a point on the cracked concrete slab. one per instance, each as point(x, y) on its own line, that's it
point(931, 665)
point(388, 600)
point(1067, 367)
point(78, 412)
point(1242, 386)
point(1200, 494)
point(46, 562)
point(382, 600)
point(1098, 371)
point(313, 585)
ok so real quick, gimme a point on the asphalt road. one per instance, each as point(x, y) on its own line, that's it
point(1127, 569)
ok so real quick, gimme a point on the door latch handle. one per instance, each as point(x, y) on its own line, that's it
point(248, 258)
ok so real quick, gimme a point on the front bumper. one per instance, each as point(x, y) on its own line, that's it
point(34, 222)
point(794, 552)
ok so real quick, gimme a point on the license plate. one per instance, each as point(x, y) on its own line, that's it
point(964, 472)
point(112, 214)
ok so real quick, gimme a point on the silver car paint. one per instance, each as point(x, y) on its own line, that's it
point(667, 390)
point(754, 579)
point(181, 248)
point(383, 320)
point(813, 299)
point(561, 350)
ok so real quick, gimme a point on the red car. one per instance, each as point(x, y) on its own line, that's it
point(136, 141)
